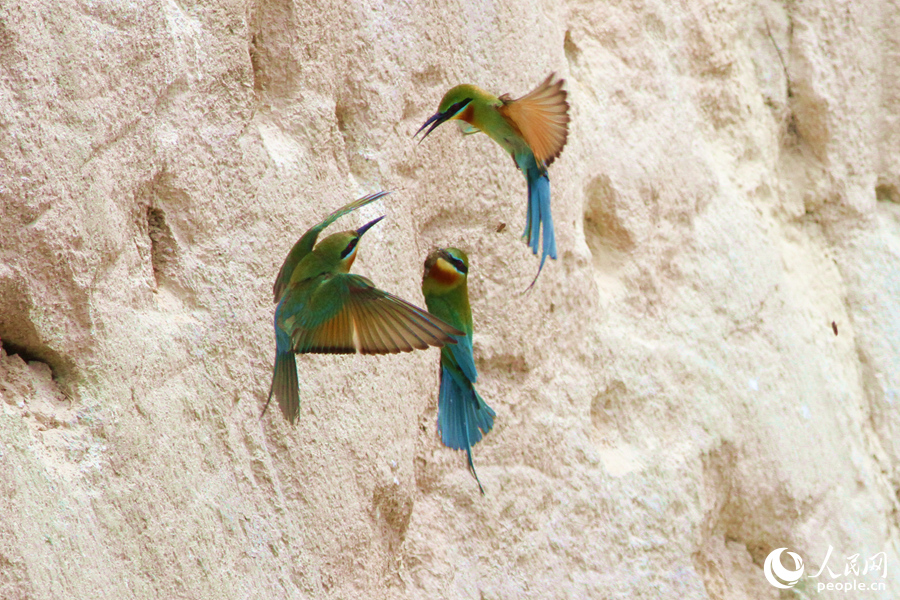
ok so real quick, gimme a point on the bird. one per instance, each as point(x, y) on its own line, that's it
point(533, 129)
point(323, 308)
point(463, 416)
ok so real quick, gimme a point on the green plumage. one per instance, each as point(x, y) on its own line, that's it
point(532, 129)
point(463, 416)
point(322, 308)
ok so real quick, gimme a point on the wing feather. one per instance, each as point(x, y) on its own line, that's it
point(369, 341)
point(415, 323)
point(360, 318)
point(542, 117)
point(403, 337)
point(395, 341)
point(414, 336)
point(380, 334)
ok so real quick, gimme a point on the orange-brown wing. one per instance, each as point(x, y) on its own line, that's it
point(366, 320)
point(542, 117)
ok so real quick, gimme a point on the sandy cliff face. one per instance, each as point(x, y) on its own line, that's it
point(710, 371)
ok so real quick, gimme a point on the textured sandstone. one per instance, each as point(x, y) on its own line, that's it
point(672, 399)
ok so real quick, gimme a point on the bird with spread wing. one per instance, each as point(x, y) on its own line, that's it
point(533, 129)
point(322, 308)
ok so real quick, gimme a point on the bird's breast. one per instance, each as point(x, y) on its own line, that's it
point(468, 115)
point(444, 273)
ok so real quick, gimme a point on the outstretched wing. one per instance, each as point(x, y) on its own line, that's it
point(346, 313)
point(542, 117)
point(306, 243)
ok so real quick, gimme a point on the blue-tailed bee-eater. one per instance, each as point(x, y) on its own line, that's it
point(322, 308)
point(533, 129)
point(463, 417)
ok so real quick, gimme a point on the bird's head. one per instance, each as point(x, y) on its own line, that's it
point(452, 106)
point(339, 249)
point(445, 268)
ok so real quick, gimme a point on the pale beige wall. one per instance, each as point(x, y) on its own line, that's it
point(672, 402)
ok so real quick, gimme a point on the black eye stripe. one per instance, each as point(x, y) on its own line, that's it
point(349, 247)
point(459, 106)
point(460, 265)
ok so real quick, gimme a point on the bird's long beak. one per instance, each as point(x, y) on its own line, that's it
point(366, 227)
point(434, 120)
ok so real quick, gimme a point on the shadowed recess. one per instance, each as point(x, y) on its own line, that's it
point(887, 192)
point(162, 244)
point(170, 246)
point(18, 334)
point(604, 228)
point(392, 510)
point(270, 45)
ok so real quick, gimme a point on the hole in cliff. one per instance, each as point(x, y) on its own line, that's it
point(270, 47)
point(571, 49)
point(163, 223)
point(18, 334)
point(351, 120)
point(162, 244)
point(344, 119)
point(607, 404)
point(256, 63)
point(32, 354)
point(886, 192)
point(792, 134)
point(393, 511)
point(340, 116)
point(24, 353)
point(604, 229)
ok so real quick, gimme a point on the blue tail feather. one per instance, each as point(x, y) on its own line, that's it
point(538, 218)
point(532, 217)
point(463, 417)
point(285, 386)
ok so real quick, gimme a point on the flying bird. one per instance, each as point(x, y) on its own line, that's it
point(322, 308)
point(533, 129)
point(463, 417)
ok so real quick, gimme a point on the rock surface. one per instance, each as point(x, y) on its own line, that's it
point(710, 371)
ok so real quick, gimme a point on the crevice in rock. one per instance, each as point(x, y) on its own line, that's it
point(392, 510)
point(162, 204)
point(256, 62)
point(787, 75)
point(803, 116)
point(162, 245)
point(571, 50)
point(604, 230)
point(270, 45)
point(18, 334)
point(887, 192)
point(22, 352)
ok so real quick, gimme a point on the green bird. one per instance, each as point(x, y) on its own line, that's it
point(533, 129)
point(463, 417)
point(322, 308)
